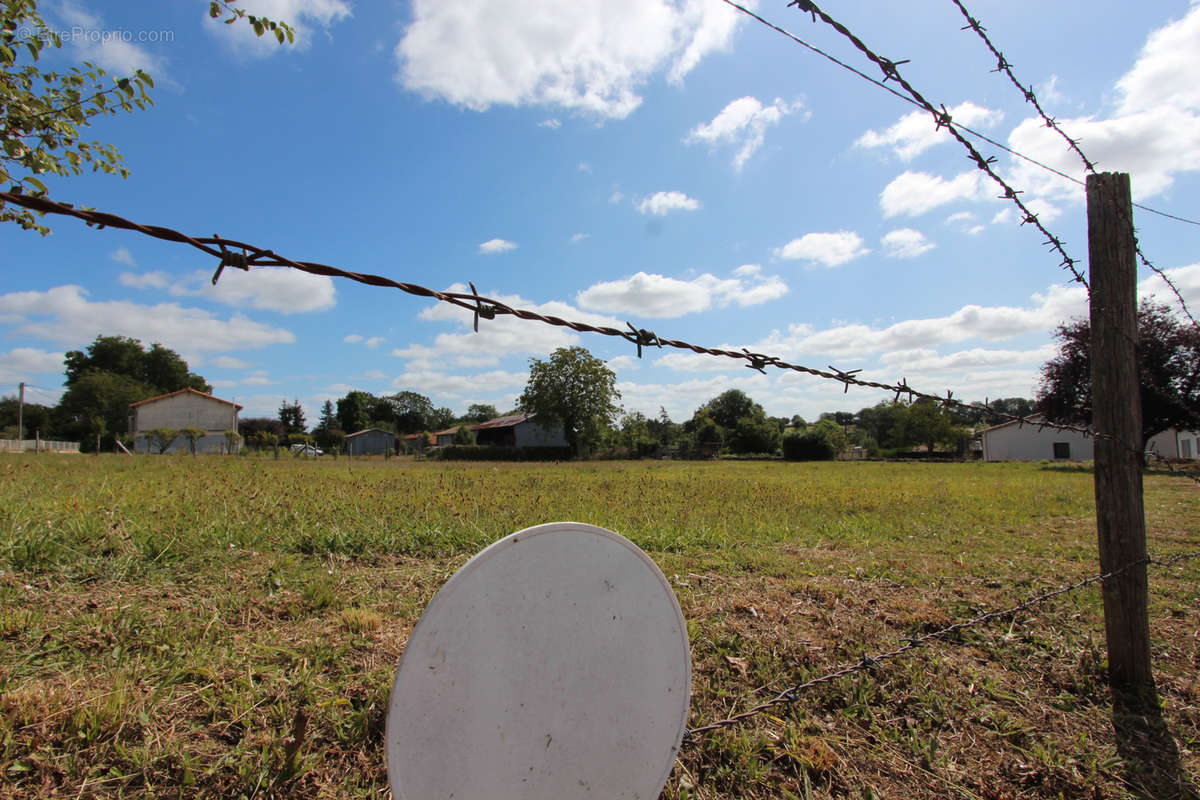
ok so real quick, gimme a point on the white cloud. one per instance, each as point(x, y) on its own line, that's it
point(1153, 133)
point(588, 56)
point(579, 237)
point(623, 363)
point(229, 362)
point(145, 280)
point(94, 41)
point(64, 314)
point(960, 216)
point(1186, 280)
point(743, 123)
point(824, 249)
point(927, 361)
point(616, 197)
point(258, 378)
point(352, 338)
point(552, 124)
point(661, 203)
point(496, 246)
point(455, 386)
point(498, 338)
point(287, 291)
point(374, 342)
point(916, 131)
point(122, 256)
point(23, 363)
point(906, 243)
point(1004, 216)
point(914, 193)
point(651, 295)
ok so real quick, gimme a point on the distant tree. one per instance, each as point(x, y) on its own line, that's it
point(160, 369)
point(740, 424)
point(328, 419)
point(464, 435)
point(1168, 372)
point(441, 418)
point(928, 423)
point(755, 433)
point(808, 446)
point(479, 412)
point(354, 411)
point(251, 427)
point(664, 430)
point(161, 439)
point(730, 406)
point(97, 402)
point(193, 435)
point(882, 422)
point(232, 440)
point(574, 389)
point(637, 436)
point(409, 411)
point(291, 415)
point(35, 418)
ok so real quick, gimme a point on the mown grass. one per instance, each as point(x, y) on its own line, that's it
point(227, 627)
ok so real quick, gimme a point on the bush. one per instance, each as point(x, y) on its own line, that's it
point(808, 447)
point(462, 452)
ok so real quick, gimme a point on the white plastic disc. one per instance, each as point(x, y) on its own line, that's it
point(553, 665)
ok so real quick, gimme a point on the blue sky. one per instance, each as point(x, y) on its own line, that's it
point(672, 164)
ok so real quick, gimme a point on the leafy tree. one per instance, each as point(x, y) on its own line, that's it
point(1168, 372)
point(574, 389)
point(730, 406)
point(441, 418)
point(35, 418)
point(161, 369)
point(232, 440)
point(928, 423)
point(637, 435)
point(291, 415)
point(251, 427)
point(464, 435)
point(479, 412)
point(808, 446)
point(193, 435)
point(42, 113)
point(883, 422)
point(409, 412)
point(97, 402)
point(664, 430)
point(354, 411)
point(755, 433)
point(161, 439)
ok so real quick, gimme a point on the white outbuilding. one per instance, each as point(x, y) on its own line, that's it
point(186, 408)
point(1016, 441)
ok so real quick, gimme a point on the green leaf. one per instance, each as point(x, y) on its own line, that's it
point(214, 10)
point(35, 183)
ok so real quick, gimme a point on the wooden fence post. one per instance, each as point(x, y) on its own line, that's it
point(1117, 415)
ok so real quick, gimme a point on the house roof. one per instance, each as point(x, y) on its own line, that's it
point(501, 422)
point(1031, 420)
point(368, 430)
point(183, 391)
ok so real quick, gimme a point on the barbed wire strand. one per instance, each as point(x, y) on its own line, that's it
point(793, 693)
point(488, 308)
point(1004, 66)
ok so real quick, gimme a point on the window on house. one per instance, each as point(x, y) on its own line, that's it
point(1185, 448)
point(1062, 449)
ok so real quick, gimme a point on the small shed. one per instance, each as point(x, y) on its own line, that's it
point(370, 442)
point(518, 430)
point(1016, 441)
point(186, 408)
point(1174, 443)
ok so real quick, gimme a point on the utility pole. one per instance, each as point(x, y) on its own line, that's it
point(1117, 419)
point(21, 418)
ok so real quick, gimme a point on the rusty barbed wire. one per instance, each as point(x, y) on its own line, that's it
point(1005, 66)
point(489, 308)
point(793, 693)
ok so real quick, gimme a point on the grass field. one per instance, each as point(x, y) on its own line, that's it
point(229, 627)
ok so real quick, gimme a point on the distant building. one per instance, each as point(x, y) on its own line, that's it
point(371, 442)
point(1016, 441)
point(517, 430)
point(186, 408)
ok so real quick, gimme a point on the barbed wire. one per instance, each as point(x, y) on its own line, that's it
point(1005, 66)
point(489, 308)
point(793, 693)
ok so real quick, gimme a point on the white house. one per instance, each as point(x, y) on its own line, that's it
point(186, 408)
point(1014, 441)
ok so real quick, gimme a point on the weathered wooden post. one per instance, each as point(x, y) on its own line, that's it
point(1117, 416)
